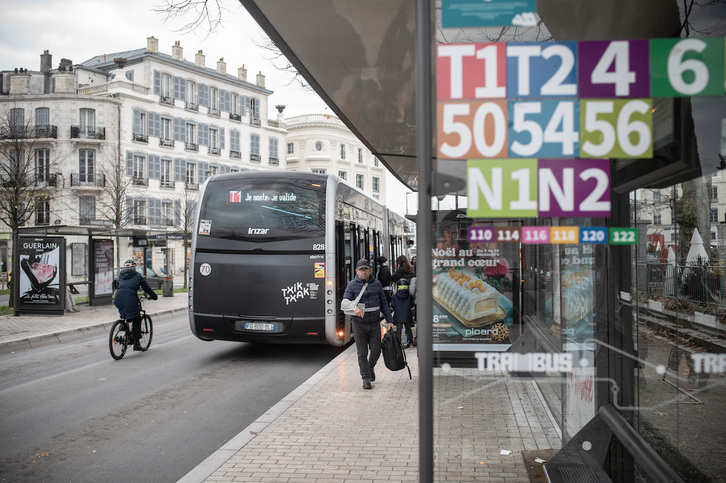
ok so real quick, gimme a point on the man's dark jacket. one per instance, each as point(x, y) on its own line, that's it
point(372, 297)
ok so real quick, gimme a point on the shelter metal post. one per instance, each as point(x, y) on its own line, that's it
point(424, 236)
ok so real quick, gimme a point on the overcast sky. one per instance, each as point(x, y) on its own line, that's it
point(81, 29)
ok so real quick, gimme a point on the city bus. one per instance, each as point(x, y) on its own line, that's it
point(272, 252)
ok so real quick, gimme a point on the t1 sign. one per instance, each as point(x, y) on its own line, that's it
point(538, 188)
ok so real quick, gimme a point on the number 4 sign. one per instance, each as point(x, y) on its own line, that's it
point(528, 188)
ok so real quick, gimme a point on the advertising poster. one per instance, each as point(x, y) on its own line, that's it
point(102, 267)
point(42, 276)
point(472, 290)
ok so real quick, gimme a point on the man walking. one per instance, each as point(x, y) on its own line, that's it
point(366, 293)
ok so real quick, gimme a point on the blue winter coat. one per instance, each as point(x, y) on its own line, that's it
point(126, 300)
point(372, 297)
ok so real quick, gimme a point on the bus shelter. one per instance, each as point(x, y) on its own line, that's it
point(50, 260)
point(588, 140)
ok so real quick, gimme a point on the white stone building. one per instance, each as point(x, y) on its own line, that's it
point(167, 124)
point(321, 143)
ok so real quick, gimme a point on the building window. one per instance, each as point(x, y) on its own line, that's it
point(166, 173)
point(165, 136)
point(375, 161)
point(360, 155)
point(714, 193)
point(88, 122)
point(657, 218)
point(376, 184)
point(167, 213)
point(166, 89)
point(42, 122)
point(140, 126)
point(42, 165)
point(191, 137)
point(318, 146)
point(342, 151)
point(139, 170)
point(234, 113)
point(318, 170)
point(17, 122)
point(274, 159)
point(191, 176)
point(129, 75)
point(191, 96)
point(86, 209)
point(214, 141)
point(343, 174)
point(86, 165)
point(254, 111)
point(290, 148)
point(139, 212)
point(255, 147)
point(359, 181)
point(714, 215)
point(214, 101)
point(42, 210)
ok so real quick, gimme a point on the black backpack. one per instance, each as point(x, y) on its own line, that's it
point(393, 354)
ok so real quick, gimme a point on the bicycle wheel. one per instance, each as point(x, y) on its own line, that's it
point(147, 330)
point(118, 339)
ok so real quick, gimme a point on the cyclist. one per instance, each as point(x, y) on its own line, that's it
point(127, 300)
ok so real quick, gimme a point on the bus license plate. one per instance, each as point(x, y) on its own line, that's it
point(259, 326)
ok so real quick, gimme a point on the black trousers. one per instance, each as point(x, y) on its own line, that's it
point(136, 328)
point(367, 338)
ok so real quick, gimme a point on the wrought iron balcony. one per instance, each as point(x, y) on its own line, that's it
point(166, 184)
point(169, 101)
point(166, 142)
point(142, 138)
point(137, 181)
point(235, 155)
point(213, 111)
point(25, 132)
point(192, 106)
point(216, 151)
point(192, 186)
point(88, 180)
point(235, 117)
point(191, 147)
point(84, 132)
point(255, 158)
point(274, 161)
point(47, 179)
point(255, 121)
point(138, 220)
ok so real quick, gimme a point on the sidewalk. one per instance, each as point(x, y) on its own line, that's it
point(331, 430)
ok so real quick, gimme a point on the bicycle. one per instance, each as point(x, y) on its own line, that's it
point(121, 336)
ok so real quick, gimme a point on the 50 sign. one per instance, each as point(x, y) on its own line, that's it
point(617, 128)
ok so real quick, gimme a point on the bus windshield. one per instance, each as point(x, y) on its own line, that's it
point(263, 209)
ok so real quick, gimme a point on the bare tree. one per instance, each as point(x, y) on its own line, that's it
point(112, 202)
point(28, 178)
point(204, 14)
point(185, 205)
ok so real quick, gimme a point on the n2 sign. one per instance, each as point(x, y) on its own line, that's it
point(538, 188)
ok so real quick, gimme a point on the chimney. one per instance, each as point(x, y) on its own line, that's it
point(242, 73)
point(65, 82)
point(260, 79)
point(177, 51)
point(19, 83)
point(46, 60)
point(221, 66)
point(199, 59)
point(152, 44)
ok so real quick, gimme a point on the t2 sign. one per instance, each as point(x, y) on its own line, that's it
point(538, 188)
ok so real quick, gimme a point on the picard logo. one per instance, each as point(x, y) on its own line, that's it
point(258, 231)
